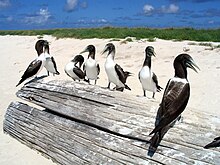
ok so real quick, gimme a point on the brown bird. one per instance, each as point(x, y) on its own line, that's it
point(175, 99)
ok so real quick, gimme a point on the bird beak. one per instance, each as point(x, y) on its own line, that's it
point(105, 50)
point(46, 43)
point(191, 64)
point(154, 54)
point(86, 50)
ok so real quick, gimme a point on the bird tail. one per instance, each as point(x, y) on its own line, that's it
point(86, 80)
point(154, 143)
point(214, 143)
point(127, 87)
point(159, 88)
point(127, 74)
point(122, 88)
point(57, 72)
point(21, 81)
point(211, 145)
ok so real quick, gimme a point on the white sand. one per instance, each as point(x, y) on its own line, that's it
point(18, 51)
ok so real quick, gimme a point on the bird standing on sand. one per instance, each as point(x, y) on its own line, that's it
point(91, 67)
point(114, 72)
point(175, 98)
point(36, 65)
point(74, 71)
point(214, 143)
point(148, 78)
point(50, 64)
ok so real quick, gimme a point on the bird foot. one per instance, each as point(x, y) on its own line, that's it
point(140, 96)
point(180, 119)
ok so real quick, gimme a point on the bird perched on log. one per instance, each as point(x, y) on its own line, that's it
point(214, 143)
point(175, 99)
point(36, 65)
point(91, 67)
point(74, 71)
point(148, 78)
point(50, 64)
point(114, 72)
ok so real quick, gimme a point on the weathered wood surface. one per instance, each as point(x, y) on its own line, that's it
point(93, 121)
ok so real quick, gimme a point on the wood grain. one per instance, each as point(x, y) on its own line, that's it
point(86, 124)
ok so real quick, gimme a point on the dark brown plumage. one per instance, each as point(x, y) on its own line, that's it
point(214, 143)
point(175, 99)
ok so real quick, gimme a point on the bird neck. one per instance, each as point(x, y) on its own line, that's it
point(75, 64)
point(180, 71)
point(42, 57)
point(92, 54)
point(39, 52)
point(147, 61)
point(111, 56)
point(46, 50)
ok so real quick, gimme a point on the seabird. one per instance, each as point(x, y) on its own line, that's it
point(214, 143)
point(91, 67)
point(74, 71)
point(148, 78)
point(175, 98)
point(50, 64)
point(35, 66)
point(114, 72)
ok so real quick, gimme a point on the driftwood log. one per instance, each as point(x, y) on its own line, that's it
point(85, 124)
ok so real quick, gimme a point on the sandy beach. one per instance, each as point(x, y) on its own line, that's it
point(18, 51)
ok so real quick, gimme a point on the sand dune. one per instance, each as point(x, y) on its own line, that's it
point(18, 51)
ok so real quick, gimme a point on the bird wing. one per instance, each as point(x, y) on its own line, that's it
point(139, 75)
point(84, 67)
point(154, 77)
point(98, 69)
point(55, 65)
point(79, 72)
point(32, 69)
point(120, 73)
point(174, 101)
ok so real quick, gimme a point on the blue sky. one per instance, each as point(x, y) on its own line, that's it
point(40, 14)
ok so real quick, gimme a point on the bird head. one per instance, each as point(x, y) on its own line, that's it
point(186, 61)
point(78, 59)
point(150, 51)
point(39, 46)
point(89, 48)
point(109, 48)
point(46, 46)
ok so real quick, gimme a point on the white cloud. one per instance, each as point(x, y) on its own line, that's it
point(4, 3)
point(71, 5)
point(40, 17)
point(148, 9)
point(170, 9)
point(9, 18)
point(101, 21)
point(93, 21)
point(211, 22)
point(84, 5)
